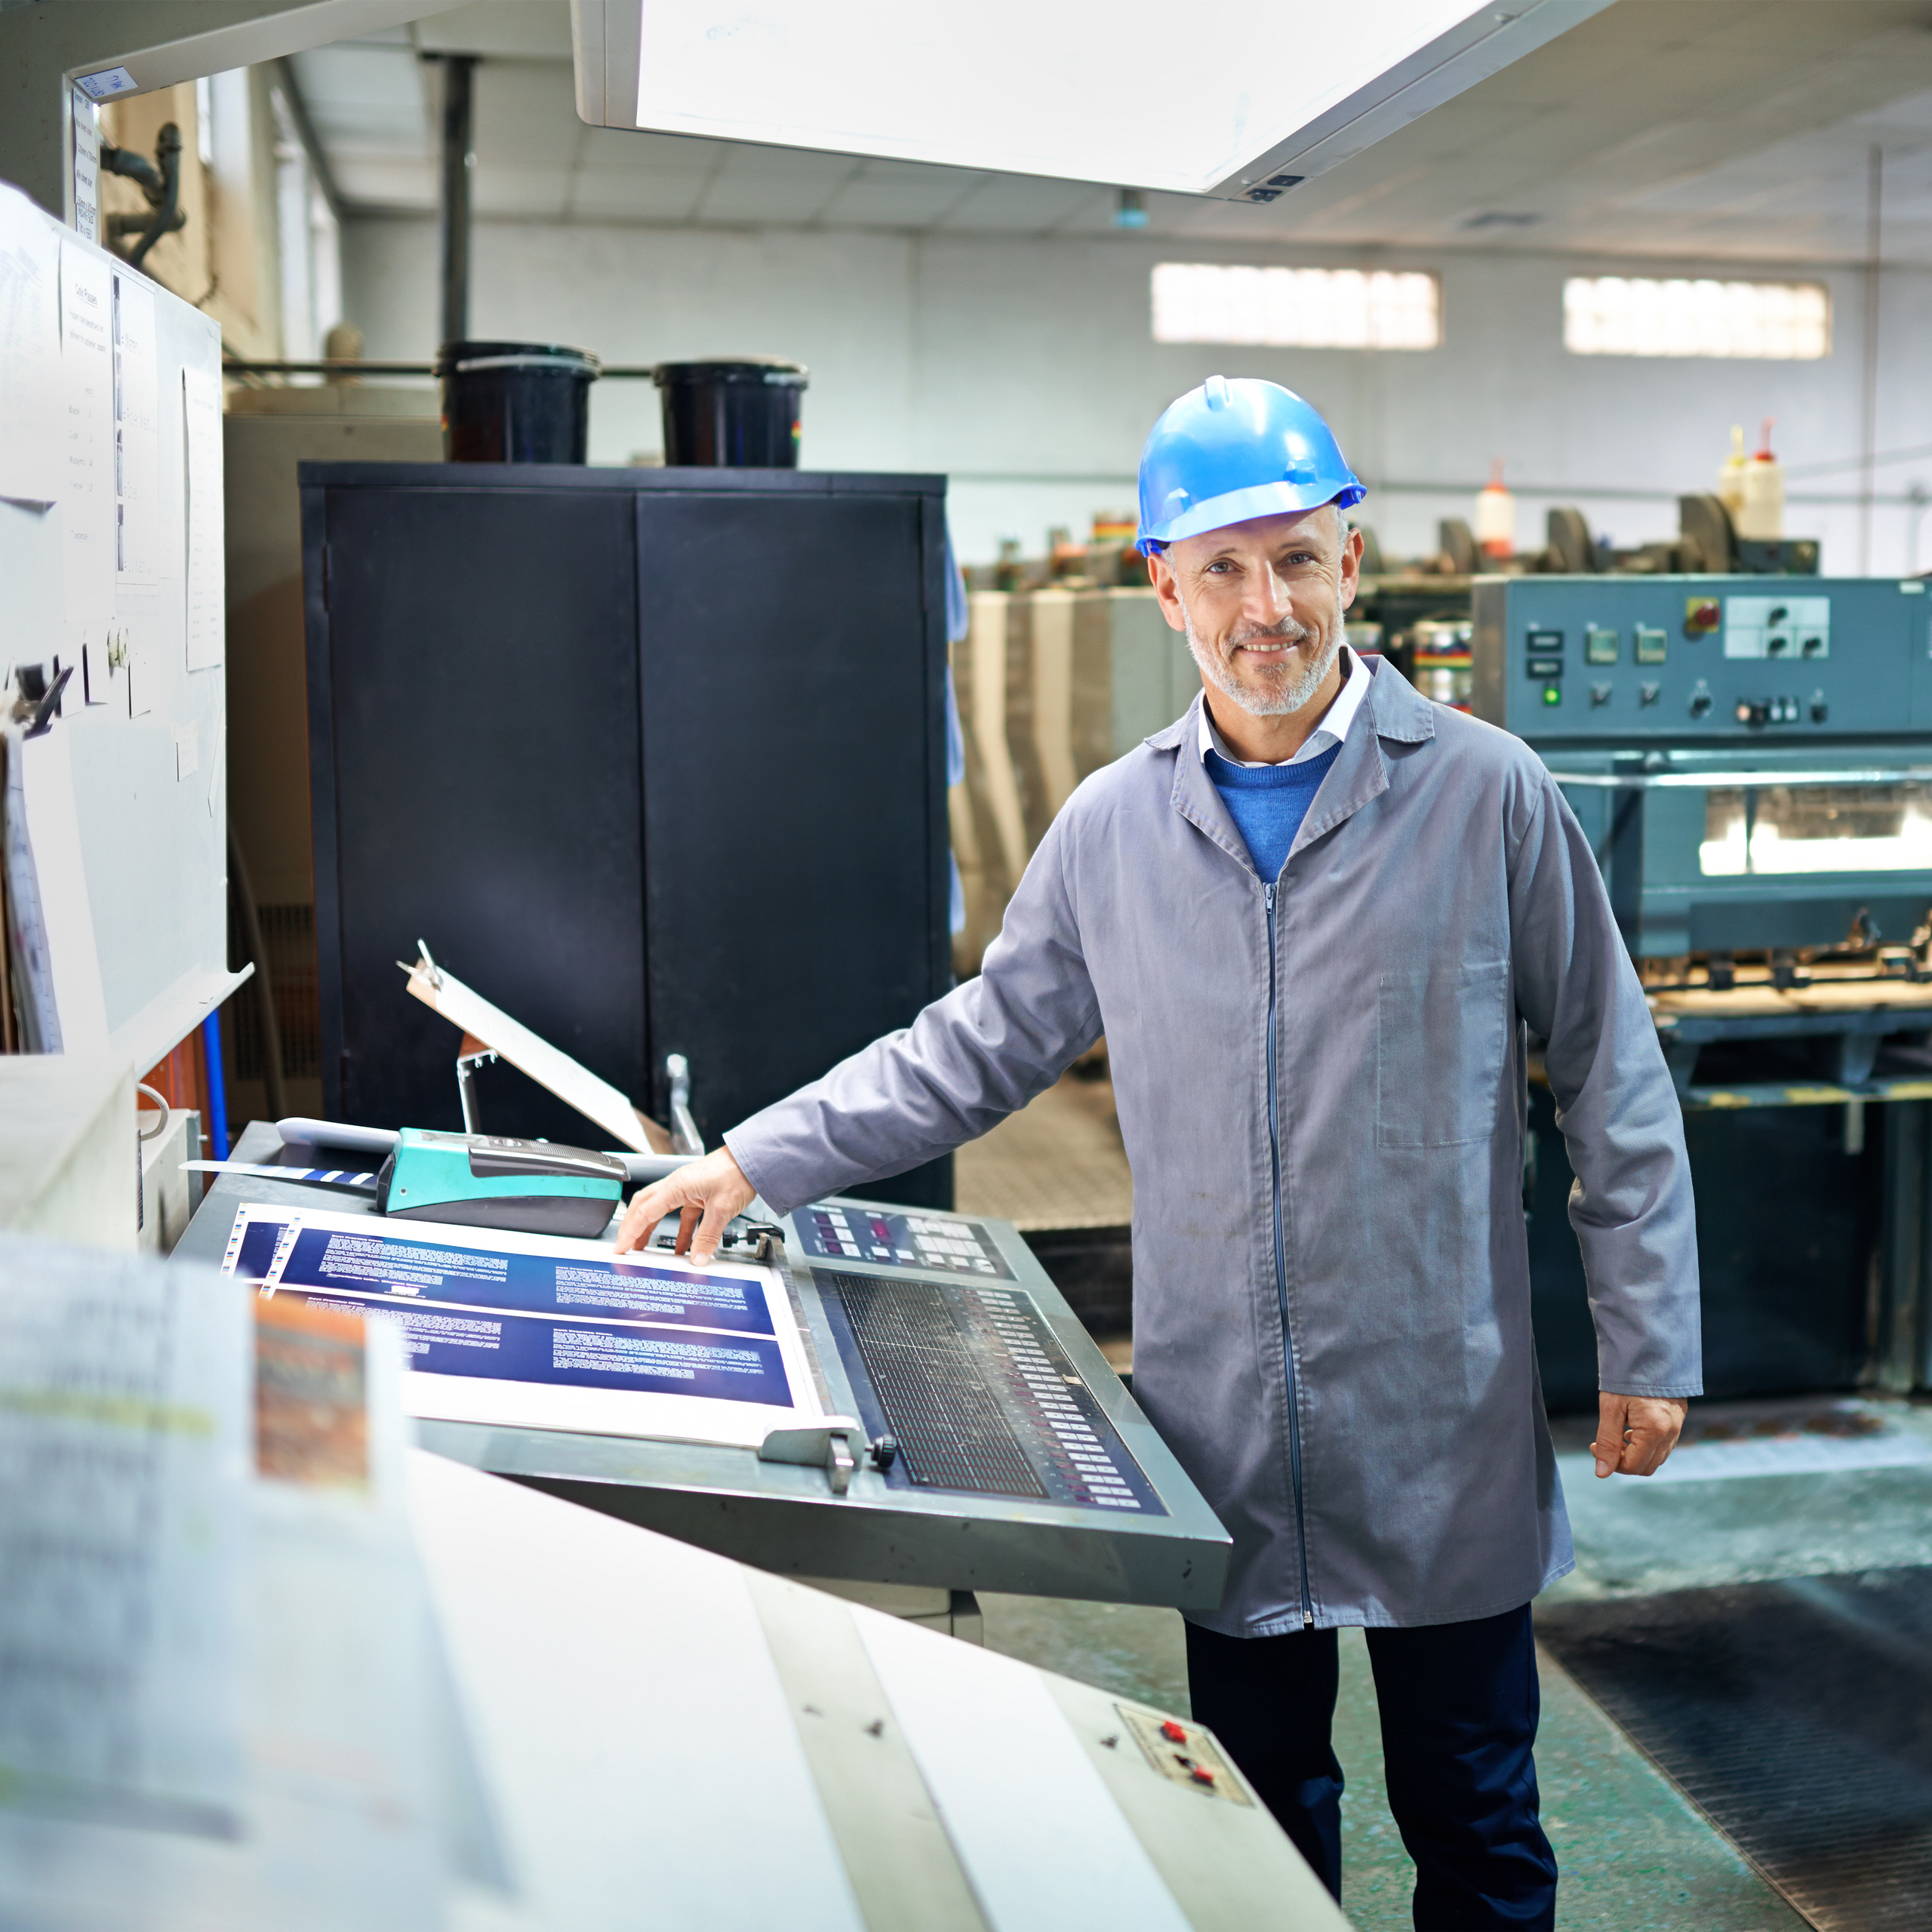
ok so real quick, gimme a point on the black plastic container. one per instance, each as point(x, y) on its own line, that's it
point(739, 413)
point(515, 401)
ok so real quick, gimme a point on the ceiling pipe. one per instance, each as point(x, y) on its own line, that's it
point(319, 168)
point(459, 163)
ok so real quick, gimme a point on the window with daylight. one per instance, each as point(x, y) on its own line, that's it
point(1616, 315)
point(1281, 308)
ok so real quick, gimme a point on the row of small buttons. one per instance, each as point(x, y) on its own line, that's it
point(1081, 1456)
point(1757, 712)
point(1650, 645)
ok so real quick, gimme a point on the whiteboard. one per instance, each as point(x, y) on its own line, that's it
point(110, 556)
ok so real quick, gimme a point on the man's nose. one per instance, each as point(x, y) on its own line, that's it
point(1269, 599)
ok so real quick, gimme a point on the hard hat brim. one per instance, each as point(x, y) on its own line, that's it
point(1276, 499)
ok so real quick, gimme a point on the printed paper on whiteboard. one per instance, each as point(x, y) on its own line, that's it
point(137, 429)
point(30, 351)
point(201, 417)
point(85, 433)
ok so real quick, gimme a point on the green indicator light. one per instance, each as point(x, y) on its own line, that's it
point(1552, 694)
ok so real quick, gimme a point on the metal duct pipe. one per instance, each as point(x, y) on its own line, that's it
point(459, 160)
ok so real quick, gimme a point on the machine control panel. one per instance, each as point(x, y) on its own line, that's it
point(972, 1384)
point(856, 1231)
point(1598, 660)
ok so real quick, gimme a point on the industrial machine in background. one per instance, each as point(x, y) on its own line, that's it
point(1750, 757)
point(1418, 614)
point(615, 742)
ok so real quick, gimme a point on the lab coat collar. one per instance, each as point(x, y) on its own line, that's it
point(1399, 712)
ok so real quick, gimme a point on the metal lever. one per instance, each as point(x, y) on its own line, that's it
point(826, 1444)
point(685, 1139)
point(475, 1054)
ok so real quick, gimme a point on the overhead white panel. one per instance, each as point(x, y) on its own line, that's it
point(940, 82)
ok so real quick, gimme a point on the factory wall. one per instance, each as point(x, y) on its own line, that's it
point(1025, 369)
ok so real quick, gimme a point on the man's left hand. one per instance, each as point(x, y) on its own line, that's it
point(1635, 1433)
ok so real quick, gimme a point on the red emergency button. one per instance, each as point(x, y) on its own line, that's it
point(1200, 1774)
point(1173, 1732)
point(1701, 614)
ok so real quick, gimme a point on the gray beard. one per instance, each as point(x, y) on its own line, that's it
point(1282, 700)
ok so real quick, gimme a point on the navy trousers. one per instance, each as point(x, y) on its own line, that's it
point(1459, 1706)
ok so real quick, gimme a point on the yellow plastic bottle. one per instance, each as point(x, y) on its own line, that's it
point(1763, 514)
point(1730, 474)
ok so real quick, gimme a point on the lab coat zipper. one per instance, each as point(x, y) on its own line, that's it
point(1281, 1280)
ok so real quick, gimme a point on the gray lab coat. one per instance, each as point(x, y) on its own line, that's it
point(1353, 1388)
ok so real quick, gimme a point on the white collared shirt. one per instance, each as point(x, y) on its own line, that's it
point(1332, 729)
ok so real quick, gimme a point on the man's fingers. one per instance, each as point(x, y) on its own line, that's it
point(688, 1216)
point(649, 1206)
point(718, 1214)
point(1613, 1419)
point(1653, 1426)
point(704, 1194)
point(1635, 1434)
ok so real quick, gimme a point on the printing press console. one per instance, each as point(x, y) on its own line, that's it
point(999, 1451)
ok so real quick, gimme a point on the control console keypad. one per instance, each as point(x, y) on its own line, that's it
point(942, 1243)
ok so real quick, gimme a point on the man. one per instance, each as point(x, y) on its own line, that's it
point(1317, 920)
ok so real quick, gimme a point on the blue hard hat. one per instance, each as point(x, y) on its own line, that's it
point(1235, 449)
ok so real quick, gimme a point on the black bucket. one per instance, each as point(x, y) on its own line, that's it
point(515, 401)
point(742, 414)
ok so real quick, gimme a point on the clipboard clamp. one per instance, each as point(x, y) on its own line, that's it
point(825, 1444)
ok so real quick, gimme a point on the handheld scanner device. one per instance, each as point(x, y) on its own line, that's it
point(482, 1180)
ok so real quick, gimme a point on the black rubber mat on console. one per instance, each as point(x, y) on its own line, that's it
point(1797, 1715)
point(947, 1422)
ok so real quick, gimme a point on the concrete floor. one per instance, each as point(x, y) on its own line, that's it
point(1635, 1857)
point(1758, 1490)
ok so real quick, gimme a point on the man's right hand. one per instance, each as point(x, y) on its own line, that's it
point(704, 1194)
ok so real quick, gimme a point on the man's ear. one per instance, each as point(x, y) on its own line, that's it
point(1351, 549)
point(1166, 592)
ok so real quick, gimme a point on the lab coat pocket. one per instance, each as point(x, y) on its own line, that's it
point(1441, 1034)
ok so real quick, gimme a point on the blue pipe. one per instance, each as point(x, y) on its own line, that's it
point(218, 1121)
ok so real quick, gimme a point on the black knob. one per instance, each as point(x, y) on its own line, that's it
point(1820, 711)
point(885, 1451)
point(1700, 705)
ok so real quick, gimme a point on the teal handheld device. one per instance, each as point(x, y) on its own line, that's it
point(483, 1180)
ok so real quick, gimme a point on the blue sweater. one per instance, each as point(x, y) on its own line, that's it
point(1268, 803)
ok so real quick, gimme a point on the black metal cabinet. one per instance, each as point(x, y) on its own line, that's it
point(655, 760)
point(1789, 1228)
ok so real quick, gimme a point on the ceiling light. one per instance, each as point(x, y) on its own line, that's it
point(1262, 98)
